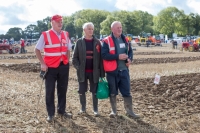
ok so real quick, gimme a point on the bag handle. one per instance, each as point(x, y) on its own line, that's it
point(102, 79)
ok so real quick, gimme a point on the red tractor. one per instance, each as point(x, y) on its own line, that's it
point(185, 46)
point(12, 49)
point(190, 46)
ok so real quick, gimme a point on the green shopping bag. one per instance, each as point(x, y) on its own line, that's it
point(102, 89)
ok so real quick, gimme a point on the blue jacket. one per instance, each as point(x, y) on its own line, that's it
point(107, 56)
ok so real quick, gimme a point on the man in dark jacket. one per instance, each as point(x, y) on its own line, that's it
point(175, 44)
point(88, 63)
point(117, 55)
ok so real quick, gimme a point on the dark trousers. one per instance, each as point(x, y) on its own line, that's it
point(59, 75)
point(22, 49)
point(120, 81)
point(83, 86)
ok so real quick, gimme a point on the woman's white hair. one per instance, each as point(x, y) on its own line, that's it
point(85, 25)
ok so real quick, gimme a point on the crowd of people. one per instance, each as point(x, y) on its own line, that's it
point(92, 60)
point(6, 41)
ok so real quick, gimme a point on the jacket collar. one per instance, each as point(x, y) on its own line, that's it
point(122, 36)
point(94, 38)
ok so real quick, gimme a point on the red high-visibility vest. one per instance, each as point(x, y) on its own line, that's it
point(110, 65)
point(55, 49)
point(22, 43)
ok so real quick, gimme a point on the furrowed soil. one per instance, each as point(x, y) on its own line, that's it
point(171, 106)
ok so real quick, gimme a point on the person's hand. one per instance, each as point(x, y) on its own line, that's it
point(128, 63)
point(123, 56)
point(44, 67)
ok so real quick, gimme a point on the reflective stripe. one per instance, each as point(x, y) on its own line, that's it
point(113, 48)
point(49, 38)
point(110, 48)
point(54, 54)
point(52, 46)
point(108, 42)
point(67, 38)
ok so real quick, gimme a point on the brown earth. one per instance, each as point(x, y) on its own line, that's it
point(28, 56)
point(155, 53)
point(35, 67)
point(171, 106)
point(174, 103)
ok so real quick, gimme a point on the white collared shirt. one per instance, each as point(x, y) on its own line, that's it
point(41, 43)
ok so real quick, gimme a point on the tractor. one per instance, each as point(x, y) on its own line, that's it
point(12, 49)
point(129, 37)
point(191, 47)
point(144, 38)
point(147, 39)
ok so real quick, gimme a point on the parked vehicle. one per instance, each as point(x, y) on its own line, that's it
point(12, 49)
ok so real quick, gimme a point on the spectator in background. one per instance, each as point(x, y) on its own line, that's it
point(191, 42)
point(199, 43)
point(175, 44)
point(11, 41)
point(148, 42)
point(22, 43)
point(5, 41)
point(73, 41)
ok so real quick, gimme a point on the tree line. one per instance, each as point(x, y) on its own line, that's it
point(168, 21)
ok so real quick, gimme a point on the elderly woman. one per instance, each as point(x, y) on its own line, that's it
point(88, 63)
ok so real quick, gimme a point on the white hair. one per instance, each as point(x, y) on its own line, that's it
point(113, 23)
point(85, 25)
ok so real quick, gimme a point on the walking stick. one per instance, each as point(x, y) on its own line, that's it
point(42, 75)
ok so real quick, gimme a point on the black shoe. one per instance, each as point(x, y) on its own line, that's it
point(50, 118)
point(65, 115)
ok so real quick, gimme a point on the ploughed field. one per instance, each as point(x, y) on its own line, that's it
point(171, 106)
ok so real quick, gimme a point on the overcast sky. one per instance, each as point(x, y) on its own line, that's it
point(21, 13)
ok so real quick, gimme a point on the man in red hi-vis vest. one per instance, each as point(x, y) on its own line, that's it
point(56, 45)
point(117, 55)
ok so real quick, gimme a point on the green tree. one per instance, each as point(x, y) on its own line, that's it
point(89, 15)
point(31, 32)
point(186, 22)
point(195, 22)
point(106, 24)
point(15, 32)
point(144, 22)
point(128, 21)
point(2, 36)
point(78, 26)
point(43, 25)
point(168, 21)
point(68, 25)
